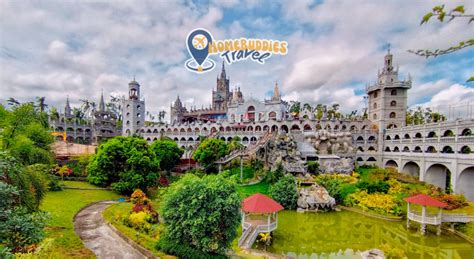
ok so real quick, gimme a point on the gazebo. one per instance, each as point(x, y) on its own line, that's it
point(425, 200)
point(259, 215)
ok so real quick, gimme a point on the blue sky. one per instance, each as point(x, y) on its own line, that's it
point(78, 48)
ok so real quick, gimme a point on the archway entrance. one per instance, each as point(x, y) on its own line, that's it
point(440, 176)
point(391, 163)
point(411, 168)
point(466, 183)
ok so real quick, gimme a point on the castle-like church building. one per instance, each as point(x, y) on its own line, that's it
point(439, 153)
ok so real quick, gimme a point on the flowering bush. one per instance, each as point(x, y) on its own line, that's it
point(454, 201)
point(377, 202)
point(164, 181)
point(138, 196)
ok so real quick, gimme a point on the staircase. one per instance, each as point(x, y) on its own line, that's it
point(248, 237)
point(247, 151)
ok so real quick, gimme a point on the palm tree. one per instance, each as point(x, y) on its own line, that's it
point(41, 103)
point(13, 102)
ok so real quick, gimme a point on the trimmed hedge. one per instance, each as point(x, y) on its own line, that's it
point(183, 251)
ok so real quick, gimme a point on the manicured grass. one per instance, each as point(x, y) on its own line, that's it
point(62, 206)
point(77, 184)
point(248, 173)
point(247, 190)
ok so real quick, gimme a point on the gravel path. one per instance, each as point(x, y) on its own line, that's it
point(99, 237)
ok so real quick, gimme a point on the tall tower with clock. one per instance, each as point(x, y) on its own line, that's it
point(221, 96)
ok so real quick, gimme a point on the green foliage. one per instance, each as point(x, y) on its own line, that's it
point(374, 186)
point(200, 213)
point(313, 167)
point(423, 115)
point(234, 144)
point(167, 152)
point(209, 151)
point(25, 134)
point(125, 163)
point(30, 181)
point(19, 227)
point(285, 192)
point(441, 15)
point(334, 183)
point(275, 175)
point(184, 250)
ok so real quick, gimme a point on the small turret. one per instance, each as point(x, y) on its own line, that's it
point(67, 109)
point(276, 93)
point(102, 103)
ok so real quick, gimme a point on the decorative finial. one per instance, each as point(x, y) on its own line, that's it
point(388, 48)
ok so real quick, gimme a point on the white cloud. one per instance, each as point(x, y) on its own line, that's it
point(54, 49)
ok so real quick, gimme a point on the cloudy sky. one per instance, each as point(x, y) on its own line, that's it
point(78, 48)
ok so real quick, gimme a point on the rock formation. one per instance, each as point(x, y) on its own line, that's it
point(283, 149)
point(315, 198)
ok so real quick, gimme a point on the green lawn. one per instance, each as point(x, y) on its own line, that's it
point(247, 190)
point(62, 206)
point(248, 173)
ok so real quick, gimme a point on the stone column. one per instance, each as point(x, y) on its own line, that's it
point(423, 224)
point(438, 230)
point(408, 212)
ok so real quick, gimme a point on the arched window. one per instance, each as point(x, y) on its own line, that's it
point(375, 116)
point(272, 115)
point(393, 103)
point(393, 92)
point(375, 105)
point(375, 95)
point(393, 115)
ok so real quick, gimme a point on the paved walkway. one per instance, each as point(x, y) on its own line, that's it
point(99, 237)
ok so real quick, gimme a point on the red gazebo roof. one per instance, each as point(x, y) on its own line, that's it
point(259, 203)
point(425, 200)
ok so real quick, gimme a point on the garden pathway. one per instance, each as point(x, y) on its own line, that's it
point(99, 237)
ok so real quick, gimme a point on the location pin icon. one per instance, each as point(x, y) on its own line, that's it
point(199, 54)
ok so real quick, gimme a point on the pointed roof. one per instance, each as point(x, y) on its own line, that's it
point(276, 93)
point(101, 102)
point(223, 75)
point(425, 200)
point(259, 203)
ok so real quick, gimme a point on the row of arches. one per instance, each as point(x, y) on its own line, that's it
point(430, 149)
point(431, 134)
point(369, 139)
point(257, 128)
point(370, 159)
point(71, 130)
point(439, 175)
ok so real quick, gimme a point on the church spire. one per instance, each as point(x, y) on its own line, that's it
point(388, 60)
point(101, 102)
point(223, 75)
point(67, 109)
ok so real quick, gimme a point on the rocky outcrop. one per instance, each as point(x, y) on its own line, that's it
point(336, 165)
point(284, 149)
point(315, 198)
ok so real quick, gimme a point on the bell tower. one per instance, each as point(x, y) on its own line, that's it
point(388, 97)
point(133, 111)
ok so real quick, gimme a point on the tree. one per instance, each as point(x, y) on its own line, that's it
point(125, 163)
point(275, 175)
point(209, 151)
point(201, 215)
point(41, 104)
point(167, 152)
point(25, 134)
point(441, 15)
point(423, 115)
point(285, 192)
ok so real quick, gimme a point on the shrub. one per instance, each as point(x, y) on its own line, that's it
point(163, 181)
point(184, 251)
point(19, 228)
point(201, 214)
point(333, 184)
point(373, 187)
point(345, 190)
point(275, 175)
point(454, 201)
point(138, 219)
point(137, 196)
point(313, 167)
point(168, 152)
point(285, 192)
point(377, 202)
